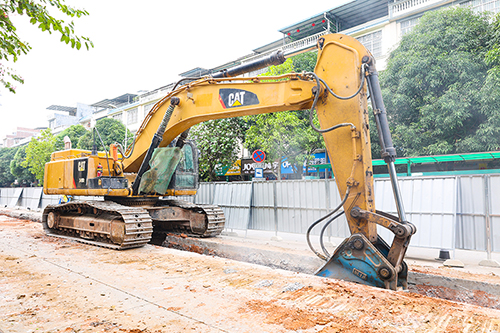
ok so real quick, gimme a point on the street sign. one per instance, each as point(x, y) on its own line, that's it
point(258, 156)
point(259, 173)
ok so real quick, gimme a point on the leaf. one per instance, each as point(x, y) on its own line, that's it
point(11, 46)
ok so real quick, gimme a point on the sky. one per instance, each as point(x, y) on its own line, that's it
point(138, 45)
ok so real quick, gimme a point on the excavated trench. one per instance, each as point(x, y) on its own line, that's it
point(420, 281)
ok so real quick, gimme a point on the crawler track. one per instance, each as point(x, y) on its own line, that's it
point(137, 231)
point(215, 219)
point(97, 222)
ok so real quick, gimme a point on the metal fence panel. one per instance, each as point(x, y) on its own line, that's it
point(288, 198)
point(25, 197)
point(15, 197)
point(234, 199)
point(339, 227)
point(263, 217)
point(32, 196)
point(240, 202)
point(299, 203)
point(495, 212)
point(4, 199)
point(7, 194)
point(204, 195)
point(48, 200)
point(471, 230)
point(429, 204)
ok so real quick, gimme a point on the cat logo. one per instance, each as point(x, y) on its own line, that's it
point(232, 98)
point(81, 165)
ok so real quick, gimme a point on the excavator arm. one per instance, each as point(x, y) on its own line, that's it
point(337, 90)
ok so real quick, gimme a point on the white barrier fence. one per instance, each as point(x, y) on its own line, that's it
point(450, 212)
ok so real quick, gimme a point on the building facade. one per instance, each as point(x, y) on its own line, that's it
point(21, 136)
point(378, 24)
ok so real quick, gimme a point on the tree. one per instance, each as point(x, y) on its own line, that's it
point(21, 173)
point(74, 132)
point(109, 130)
point(285, 133)
point(493, 55)
point(38, 153)
point(304, 62)
point(12, 46)
point(436, 89)
point(6, 156)
point(218, 141)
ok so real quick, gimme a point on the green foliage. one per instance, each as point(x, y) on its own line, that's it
point(38, 153)
point(6, 156)
point(304, 62)
point(21, 173)
point(285, 133)
point(110, 130)
point(282, 134)
point(218, 142)
point(284, 68)
point(11, 46)
point(436, 88)
point(74, 132)
point(493, 55)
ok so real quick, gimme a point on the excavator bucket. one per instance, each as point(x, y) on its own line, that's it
point(358, 260)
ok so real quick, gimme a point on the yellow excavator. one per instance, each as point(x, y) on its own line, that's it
point(161, 162)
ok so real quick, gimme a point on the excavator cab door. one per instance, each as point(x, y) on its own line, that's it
point(186, 174)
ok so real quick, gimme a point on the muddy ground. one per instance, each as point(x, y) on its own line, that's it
point(54, 285)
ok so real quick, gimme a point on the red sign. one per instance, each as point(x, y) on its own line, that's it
point(258, 156)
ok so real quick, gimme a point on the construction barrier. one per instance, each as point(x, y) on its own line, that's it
point(450, 212)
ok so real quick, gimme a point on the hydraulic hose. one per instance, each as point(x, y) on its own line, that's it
point(321, 242)
point(130, 149)
point(105, 150)
point(316, 98)
point(315, 223)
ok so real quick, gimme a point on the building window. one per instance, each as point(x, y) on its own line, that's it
point(483, 5)
point(373, 42)
point(118, 117)
point(148, 108)
point(132, 116)
point(408, 25)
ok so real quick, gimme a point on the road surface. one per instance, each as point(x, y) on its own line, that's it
point(50, 284)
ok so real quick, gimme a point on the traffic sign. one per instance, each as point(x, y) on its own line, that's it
point(258, 156)
point(259, 173)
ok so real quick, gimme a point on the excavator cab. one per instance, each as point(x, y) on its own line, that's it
point(185, 180)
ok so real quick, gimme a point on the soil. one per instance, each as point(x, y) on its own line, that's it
point(456, 273)
point(51, 284)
